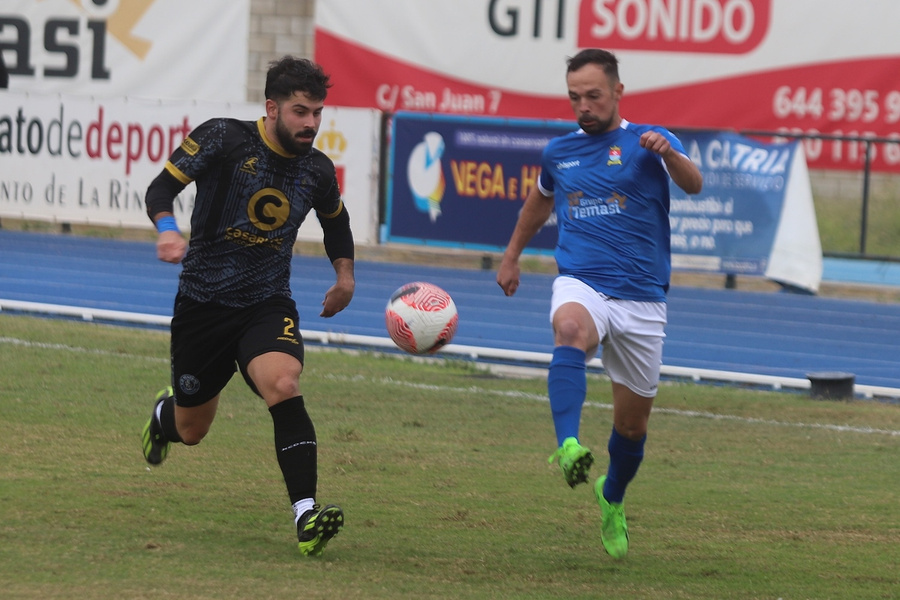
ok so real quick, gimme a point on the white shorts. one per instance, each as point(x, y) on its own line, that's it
point(631, 333)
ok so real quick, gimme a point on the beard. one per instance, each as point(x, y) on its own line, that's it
point(291, 142)
point(595, 126)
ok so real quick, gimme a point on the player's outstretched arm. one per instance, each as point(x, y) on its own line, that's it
point(534, 214)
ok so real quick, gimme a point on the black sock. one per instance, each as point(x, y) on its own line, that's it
point(295, 447)
point(167, 420)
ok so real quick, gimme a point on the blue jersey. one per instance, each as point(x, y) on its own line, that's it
point(612, 210)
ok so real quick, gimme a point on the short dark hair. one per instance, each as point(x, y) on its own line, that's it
point(289, 74)
point(602, 58)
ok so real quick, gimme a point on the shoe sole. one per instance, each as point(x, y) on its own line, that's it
point(579, 471)
point(329, 523)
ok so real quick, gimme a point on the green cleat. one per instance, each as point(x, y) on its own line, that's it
point(156, 446)
point(316, 527)
point(613, 528)
point(574, 460)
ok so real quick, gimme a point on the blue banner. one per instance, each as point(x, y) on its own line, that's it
point(461, 182)
point(730, 227)
point(458, 181)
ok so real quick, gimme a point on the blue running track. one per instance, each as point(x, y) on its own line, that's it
point(774, 335)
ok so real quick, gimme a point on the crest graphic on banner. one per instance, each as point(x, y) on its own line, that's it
point(425, 175)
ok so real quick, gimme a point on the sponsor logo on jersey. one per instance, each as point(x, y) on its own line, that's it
point(245, 238)
point(268, 209)
point(585, 208)
point(190, 147)
point(568, 164)
point(249, 165)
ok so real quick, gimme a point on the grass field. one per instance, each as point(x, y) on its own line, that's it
point(442, 472)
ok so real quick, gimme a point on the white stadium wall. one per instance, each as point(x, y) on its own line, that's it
point(102, 92)
point(789, 65)
point(86, 160)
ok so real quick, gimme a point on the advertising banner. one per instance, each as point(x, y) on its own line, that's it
point(135, 48)
point(461, 182)
point(755, 215)
point(84, 160)
point(790, 66)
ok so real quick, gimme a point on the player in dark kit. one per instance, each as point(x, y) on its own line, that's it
point(256, 183)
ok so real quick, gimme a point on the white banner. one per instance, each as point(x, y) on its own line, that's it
point(134, 48)
point(795, 66)
point(351, 137)
point(84, 160)
point(797, 249)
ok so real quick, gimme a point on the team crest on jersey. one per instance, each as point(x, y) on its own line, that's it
point(615, 156)
point(249, 165)
point(189, 384)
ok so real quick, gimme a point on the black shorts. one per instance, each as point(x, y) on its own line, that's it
point(210, 342)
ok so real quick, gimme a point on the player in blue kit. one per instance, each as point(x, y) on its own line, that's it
point(256, 183)
point(609, 185)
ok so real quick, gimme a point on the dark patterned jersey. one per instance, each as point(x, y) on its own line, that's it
point(251, 199)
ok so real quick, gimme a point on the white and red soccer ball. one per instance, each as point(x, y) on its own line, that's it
point(421, 318)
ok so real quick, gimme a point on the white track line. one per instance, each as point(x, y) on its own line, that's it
point(388, 381)
point(656, 410)
point(76, 349)
point(476, 353)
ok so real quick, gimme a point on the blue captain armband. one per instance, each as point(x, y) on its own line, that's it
point(166, 224)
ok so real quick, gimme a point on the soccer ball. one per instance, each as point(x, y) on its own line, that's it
point(421, 318)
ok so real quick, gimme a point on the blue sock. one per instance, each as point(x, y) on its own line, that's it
point(567, 387)
point(625, 457)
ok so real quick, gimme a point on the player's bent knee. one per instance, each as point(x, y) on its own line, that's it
point(633, 433)
point(281, 388)
point(569, 332)
point(191, 440)
point(192, 435)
